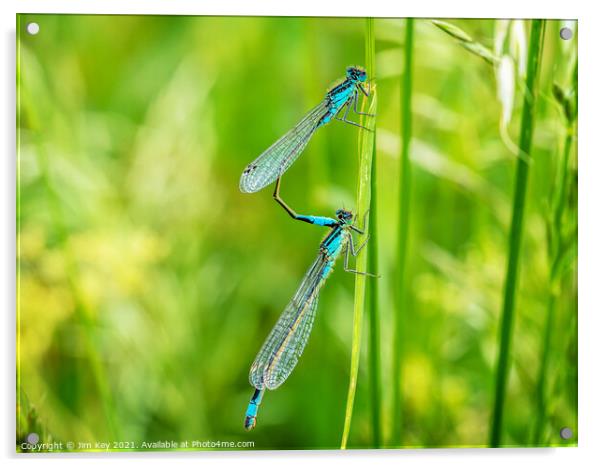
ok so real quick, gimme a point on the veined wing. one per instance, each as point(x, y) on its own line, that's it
point(275, 160)
point(285, 343)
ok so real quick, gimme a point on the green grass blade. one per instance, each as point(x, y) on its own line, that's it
point(367, 143)
point(405, 178)
point(374, 368)
point(374, 320)
point(542, 378)
point(516, 229)
point(466, 41)
point(28, 422)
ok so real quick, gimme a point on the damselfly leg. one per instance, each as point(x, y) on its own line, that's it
point(351, 250)
point(362, 230)
point(355, 106)
point(347, 107)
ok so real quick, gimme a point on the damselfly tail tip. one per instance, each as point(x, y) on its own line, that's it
point(250, 423)
point(251, 415)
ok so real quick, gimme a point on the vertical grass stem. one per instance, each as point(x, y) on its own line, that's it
point(516, 229)
point(367, 142)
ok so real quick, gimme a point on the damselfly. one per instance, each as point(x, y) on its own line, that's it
point(285, 343)
point(275, 160)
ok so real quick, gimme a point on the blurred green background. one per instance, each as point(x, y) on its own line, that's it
point(147, 282)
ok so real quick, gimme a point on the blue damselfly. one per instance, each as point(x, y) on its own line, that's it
point(275, 160)
point(285, 343)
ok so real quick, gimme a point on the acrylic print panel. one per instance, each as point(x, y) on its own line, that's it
point(154, 263)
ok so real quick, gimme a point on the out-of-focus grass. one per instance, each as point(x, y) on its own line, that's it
point(562, 242)
point(147, 122)
point(405, 190)
point(28, 423)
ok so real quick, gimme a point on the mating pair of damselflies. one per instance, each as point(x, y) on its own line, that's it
point(285, 343)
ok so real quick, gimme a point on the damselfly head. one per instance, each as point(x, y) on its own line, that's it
point(356, 73)
point(344, 215)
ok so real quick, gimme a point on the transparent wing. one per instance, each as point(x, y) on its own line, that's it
point(285, 343)
point(275, 160)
